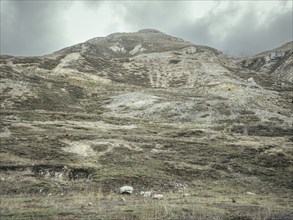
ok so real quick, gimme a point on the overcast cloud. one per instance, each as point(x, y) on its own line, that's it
point(235, 27)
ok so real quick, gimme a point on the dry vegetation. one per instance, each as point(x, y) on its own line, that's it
point(74, 127)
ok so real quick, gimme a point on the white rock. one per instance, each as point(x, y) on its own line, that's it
point(118, 48)
point(191, 50)
point(126, 190)
point(250, 79)
point(250, 193)
point(158, 196)
point(58, 175)
point(273, 55)
point(268, 59)
point(280, 54)
point(252, 82)
point(146, 193)
point(137, 49)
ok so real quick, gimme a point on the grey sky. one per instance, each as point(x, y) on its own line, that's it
point(235, 27)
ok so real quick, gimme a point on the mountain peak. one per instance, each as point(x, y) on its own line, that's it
point(139, 32)
point(149, 30)
point(123, 44)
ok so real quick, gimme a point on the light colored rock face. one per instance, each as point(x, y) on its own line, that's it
point(137, 49)
point(81, 149)
point(118, 48)
point(181, 68)
point(190, 50)
point(276, 63)
point(132, 100)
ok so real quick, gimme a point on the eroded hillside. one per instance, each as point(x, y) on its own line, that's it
point(152, 111)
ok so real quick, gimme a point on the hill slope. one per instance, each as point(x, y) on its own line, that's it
point(152, 111)
point(276, 63)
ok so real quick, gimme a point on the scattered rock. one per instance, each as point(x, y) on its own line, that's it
point(158, 196)
point(90, 204)
point(146, 193)
point(250, 193)
point(126, 190)
point(12, 118)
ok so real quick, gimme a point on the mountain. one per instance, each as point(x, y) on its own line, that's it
point(155, 112)
point(276, 63)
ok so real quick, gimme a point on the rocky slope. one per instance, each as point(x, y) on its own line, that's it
point(150, 110)
point(276, 63)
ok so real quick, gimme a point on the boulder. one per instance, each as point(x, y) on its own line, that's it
point(252, 82)
point(146, 193)
point(191, 50)
point(126, 190)
point(158, 196)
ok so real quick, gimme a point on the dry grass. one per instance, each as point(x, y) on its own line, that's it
point(199, 204)
point(220, 166)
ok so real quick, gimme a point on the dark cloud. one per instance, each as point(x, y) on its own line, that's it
point(159, 15)
point(236, 27)
point(235, 30)
point(248, 36)
point(31, 27)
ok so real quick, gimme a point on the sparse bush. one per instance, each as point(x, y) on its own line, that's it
point(174, 61)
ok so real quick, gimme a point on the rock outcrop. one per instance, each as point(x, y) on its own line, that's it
point(276, 64)
point(126, 190)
